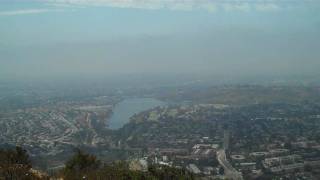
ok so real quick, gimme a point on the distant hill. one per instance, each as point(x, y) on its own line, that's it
point(243, 95)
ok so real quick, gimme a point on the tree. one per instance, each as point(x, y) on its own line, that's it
point(80, 165)
point(15, 164)
point(168, 173)
point(221, 171)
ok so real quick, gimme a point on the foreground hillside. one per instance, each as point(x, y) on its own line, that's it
point(15, 164)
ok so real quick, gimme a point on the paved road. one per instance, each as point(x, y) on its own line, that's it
point(229, 171)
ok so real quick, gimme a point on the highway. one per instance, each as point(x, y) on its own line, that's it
point(229, 171)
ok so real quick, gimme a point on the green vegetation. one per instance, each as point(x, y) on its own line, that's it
point(80, 165)
point(15, 165)
point(85, 166)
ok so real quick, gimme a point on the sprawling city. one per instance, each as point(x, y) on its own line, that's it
point(159, 90)
point(220, 132)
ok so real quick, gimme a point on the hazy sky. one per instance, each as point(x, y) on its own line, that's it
point(48, 38)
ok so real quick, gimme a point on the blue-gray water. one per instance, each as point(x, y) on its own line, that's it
point(127, 108)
